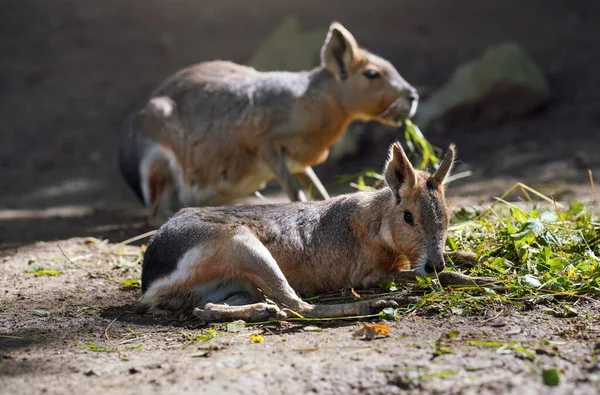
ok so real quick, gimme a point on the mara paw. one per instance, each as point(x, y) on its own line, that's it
point(207, 315)
point(266, 312)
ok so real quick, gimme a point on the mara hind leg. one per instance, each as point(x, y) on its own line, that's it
point(231, 311)
point(246, 304)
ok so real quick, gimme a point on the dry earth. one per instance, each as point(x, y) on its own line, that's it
point(77, 333)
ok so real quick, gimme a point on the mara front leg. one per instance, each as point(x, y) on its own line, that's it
point(276, 159)
point(446, 278)
point(309, 179)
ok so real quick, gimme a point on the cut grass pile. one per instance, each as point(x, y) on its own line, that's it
point(537, 254)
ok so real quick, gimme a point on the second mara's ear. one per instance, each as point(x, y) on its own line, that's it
point(339, 50)
point(399, 171)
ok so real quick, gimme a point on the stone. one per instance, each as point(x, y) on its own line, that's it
point(290, 48)
point(503, 83)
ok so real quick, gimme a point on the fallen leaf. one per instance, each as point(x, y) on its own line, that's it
point(201, 354)
point(551, 377)
point(309, 349)
point(532, 281)
point(36, 267)
point(312, 328)
point(452, 334)
point(257, 338)
point(370, 331)
point(37, 270)
point(131, 283)
point(48, 272)
point(236, 326)
point(206, 335)
point(390, 314)
point(41, 313)
point(381, 329)
point(389, 286)
point(96, 348)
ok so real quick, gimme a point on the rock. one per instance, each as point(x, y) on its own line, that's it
point(503, 83)
point(290, 48)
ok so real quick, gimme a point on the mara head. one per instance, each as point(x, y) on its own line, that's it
point(418, 222)
point(369, 87)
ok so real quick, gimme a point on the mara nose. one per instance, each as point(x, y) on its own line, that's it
point(435, 265)
point(412, 95)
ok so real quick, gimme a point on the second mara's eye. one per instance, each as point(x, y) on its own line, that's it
point(408, 218)
point(371, 74)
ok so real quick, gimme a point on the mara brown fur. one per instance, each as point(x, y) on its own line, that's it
point(217, 131)
point(221, 260)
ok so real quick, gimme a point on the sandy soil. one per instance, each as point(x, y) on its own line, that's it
point(50, 323)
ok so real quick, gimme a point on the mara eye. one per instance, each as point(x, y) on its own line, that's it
point(408, 218)
point(371, 74)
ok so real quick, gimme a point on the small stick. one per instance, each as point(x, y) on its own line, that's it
point(524, 192)
point(136, 238)
point(457, 176)
point(493, 318)
point(563, 224)
point(523, 188)
point(109, 325)
point(85, 270)
point(593, 187)
point(261, 196)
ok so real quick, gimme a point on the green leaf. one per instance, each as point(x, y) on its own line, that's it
point(518, 214)
point(205, 335)
point(418, 144)
point(37, 271)
point(389, 286)
point(36, 267)
point(96, 348)
point(131, 283)
point(451, 244)
point(551, 377)
point(390, 314)
point(485, 343)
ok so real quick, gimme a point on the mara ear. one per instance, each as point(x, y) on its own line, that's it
point(440, 174)
point(399, 171)
point(339, 51)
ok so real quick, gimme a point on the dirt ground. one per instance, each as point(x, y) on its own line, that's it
point(71, 70)
point(77, 333)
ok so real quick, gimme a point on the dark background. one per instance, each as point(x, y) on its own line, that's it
point(70, 71)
